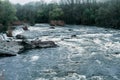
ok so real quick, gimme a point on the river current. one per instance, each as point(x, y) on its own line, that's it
point(83, 53)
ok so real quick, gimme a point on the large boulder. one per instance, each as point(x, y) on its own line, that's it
point(10, 48)
point(38, 44)
point(46, 44)
point(4, 52)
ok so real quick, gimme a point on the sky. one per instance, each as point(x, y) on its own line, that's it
point(26, 1)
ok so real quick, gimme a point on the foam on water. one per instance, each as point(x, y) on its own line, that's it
point(34, 58)
point(93, 54)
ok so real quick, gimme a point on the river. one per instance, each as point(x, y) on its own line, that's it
point(83, 53)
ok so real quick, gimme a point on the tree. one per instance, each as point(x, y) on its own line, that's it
point(56, 14)
point(7, 13)
point(88, 12)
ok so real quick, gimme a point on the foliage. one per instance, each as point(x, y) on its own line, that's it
point(56, 14)
point(86, 12)
point(7, 13)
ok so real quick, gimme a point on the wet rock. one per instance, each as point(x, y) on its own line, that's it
point(62, 39)
point(32, 34)
point(70, 29)
point(4, 53)
point(52, 27)
point(73, 36)
point(46, 44)
point(20, 36)
point(38, 44)
point(117, 53)
point(10, 48)
point(25, 28)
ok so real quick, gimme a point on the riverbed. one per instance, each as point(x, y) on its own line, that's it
point(83, 53)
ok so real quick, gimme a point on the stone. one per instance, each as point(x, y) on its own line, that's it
point(52, 27)
point(20, 36)
point(7, 53)
point(46, 44)
point(25, 28)
point(73, 36)
point(38, 44)
point(9, 33)
point(70, 29)
point(11, 48)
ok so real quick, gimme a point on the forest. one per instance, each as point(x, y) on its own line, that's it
point(80, 12)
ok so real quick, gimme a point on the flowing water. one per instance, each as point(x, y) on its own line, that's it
point(83, 53)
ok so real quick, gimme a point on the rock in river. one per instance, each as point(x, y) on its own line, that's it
point(20, 36)
point(10, 48)
point(13, 48)
point(38, 44)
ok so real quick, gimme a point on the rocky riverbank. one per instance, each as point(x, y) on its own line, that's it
point(84, 53)
point(11, 46)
